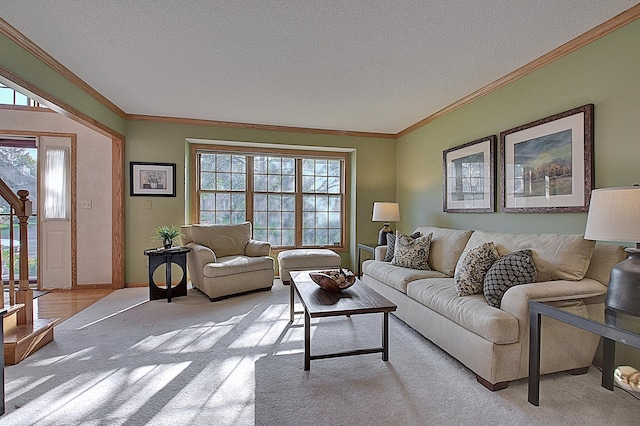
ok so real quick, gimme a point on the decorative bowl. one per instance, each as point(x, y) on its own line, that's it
point(334, 279)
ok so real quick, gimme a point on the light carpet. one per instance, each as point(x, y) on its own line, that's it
point(129, 361)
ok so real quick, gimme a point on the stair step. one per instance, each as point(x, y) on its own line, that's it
point(10, 318)
point(25, 339)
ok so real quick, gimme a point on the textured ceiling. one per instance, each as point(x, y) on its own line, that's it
point(373, 66)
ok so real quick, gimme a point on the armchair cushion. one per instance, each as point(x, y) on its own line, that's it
point(233, 265)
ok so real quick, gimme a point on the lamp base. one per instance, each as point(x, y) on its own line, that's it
point(623, 293)
point(382, 235)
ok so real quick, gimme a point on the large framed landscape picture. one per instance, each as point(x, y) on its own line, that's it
point(468, 173)
point(547, 165)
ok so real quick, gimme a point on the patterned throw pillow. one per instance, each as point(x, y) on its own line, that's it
point(412, 253)
point(472, 268)
point(391, 244)
point(510, 270)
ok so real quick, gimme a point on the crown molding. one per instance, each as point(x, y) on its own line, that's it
point(582, 40)
point(236, 125)
point(58, 105)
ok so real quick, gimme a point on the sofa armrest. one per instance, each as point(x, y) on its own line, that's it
point(380, 252)
point(255, 248)
point(516, 300)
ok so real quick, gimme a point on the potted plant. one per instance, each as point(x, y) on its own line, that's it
point(166, 234)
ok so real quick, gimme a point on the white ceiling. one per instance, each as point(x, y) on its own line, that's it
point(355, 65)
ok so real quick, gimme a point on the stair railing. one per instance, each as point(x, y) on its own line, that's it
point(20, 207)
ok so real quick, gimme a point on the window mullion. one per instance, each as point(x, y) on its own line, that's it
point(299, 202)
point(250, 189)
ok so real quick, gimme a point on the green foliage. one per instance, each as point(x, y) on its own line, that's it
point(32, 262)
point(166, 232)
point(18, 157)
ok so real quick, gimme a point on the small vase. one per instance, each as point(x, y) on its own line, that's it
point(167, 243)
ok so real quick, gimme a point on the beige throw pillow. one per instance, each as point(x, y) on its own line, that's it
point(412, 253)
point(472, 268)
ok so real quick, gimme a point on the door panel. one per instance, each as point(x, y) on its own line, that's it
point(55, 235)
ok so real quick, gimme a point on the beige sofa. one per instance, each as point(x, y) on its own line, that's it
point(572, 273)
point(225, 261)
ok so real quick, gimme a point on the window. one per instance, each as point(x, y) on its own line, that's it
point(8, 96)
point(18, 169)
point(56, 183)
point(293, 199)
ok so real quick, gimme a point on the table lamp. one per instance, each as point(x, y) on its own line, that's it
point(614, 215)
point(385, 212)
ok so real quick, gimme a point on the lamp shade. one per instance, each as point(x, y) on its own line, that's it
point(614, 215)
point(386, 212)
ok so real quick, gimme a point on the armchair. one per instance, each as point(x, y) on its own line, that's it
point(225, 261)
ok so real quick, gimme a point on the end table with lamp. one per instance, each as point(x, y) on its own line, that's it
point(614, 215)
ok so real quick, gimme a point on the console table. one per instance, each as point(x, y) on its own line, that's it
point(157, 257)
point(608, 329)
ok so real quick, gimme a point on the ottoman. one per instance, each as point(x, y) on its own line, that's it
point(305, 260)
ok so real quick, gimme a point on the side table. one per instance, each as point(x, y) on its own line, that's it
point(368, 247)
point(157, 257)
point(609, 330)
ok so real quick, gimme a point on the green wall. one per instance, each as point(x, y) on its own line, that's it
point(166, 142)
point(605, 73)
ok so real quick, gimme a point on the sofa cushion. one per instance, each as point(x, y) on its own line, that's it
point(472, 268)
point(391, 245)
point(508, 271)
point(446, 247)
point(412, 253)
point(557, 257)
point(471, 312)
point(224, 240)
point(232, 265)
point(396, 276)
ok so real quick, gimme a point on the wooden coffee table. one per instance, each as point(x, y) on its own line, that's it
point(357, 299)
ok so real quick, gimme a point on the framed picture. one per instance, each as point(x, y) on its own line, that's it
point(546, 166)
point(468, 174)
point(153, 179)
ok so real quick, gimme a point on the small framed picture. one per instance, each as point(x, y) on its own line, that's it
point(469, 183)
point(153, 179)
point(546, 165)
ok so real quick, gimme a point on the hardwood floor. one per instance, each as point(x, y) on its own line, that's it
point(66, 303)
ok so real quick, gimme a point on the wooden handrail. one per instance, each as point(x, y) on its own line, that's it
point(11, 198)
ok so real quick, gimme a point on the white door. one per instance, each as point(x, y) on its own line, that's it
point(54, 212)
